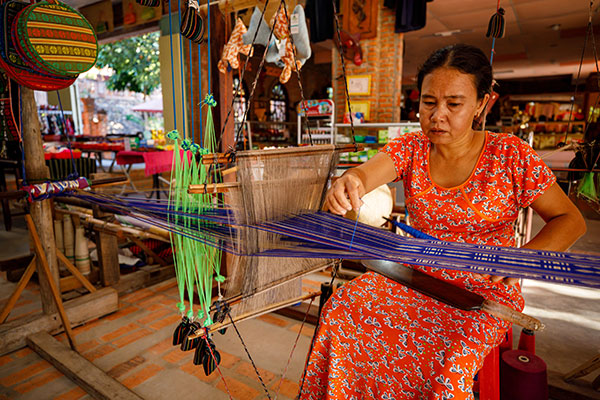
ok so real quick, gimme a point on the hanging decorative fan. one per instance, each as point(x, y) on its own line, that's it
point(55, 39)
point(12, 62)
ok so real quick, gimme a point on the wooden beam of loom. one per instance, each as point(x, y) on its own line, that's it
point(221, 158)
point(81, 371)
point(230, 6)
point(79, 311)
point(117, 229)
point(254, 314)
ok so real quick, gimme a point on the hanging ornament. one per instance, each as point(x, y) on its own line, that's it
point(496, 24)
point(192, 25)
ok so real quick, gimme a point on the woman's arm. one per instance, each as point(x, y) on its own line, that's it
point(345, 193)
point(564, 224)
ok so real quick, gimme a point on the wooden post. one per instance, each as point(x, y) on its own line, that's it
point(41, 211)
point(108, 254)
point(222, 84)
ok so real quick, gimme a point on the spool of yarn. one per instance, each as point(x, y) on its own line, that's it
point(378, 204)
point(68, 238)
point(523, 376)
point(58, 235)
point(82, 254)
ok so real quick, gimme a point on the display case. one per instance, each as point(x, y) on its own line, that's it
point(372, 136)
point(320, 116)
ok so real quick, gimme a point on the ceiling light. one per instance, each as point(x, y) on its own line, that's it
point(555, 27)
point(447, 33)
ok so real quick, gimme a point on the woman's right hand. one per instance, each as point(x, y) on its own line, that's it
point(345, 193)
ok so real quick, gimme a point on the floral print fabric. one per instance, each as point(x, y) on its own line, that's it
point(380, 340)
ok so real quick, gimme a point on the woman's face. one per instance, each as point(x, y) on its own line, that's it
point(448, 105)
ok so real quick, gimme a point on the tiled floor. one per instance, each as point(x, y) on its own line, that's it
point(134, 344)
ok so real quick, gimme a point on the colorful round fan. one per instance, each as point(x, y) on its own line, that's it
point(12, 62)
point(56, 38)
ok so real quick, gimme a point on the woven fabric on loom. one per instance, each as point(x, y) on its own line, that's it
point(57, 38)
point(60, 169)
point(273, 186)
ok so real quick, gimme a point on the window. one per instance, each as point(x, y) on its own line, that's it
point(278, 104)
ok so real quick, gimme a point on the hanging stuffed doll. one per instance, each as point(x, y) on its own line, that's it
point(235, 46)
point(286, 50)
point(351, 45)
point(257, 23)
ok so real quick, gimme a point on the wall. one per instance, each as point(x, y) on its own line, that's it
point(382, 59)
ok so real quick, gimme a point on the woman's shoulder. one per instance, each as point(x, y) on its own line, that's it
point(416, 138)
point(506, 142)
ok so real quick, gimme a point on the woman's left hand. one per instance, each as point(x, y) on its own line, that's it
point(507, 280)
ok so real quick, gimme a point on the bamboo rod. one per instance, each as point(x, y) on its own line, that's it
point(116, 229)
point(220, 158)
point(254, 314)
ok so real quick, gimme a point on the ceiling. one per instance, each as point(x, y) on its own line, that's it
point(530, 46)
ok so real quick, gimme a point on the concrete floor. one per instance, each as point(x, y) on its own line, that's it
point(133, 344)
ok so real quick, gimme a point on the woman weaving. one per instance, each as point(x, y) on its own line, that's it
point(379, 339)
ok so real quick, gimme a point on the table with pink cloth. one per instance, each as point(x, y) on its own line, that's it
point(155, 162)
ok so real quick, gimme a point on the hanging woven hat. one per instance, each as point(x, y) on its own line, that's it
point(56, 38)
point(192, 25)
point(14, 65)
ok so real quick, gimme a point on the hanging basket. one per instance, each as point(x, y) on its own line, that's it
point(56, 38)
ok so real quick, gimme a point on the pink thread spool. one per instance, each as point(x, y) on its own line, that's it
point(523, 376)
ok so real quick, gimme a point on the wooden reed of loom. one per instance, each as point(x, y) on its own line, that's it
point(270, 184)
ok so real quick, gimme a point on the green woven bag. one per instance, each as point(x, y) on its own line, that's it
point(56, 38)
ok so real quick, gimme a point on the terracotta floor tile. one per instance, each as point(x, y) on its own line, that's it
point(288, 388)
point(246, 369)
point(307, 330)
point(161, 346)
point(198, 372)
point(87, 346)
point(177, 355)
point(121, 313)
point(121, 369)
point(38, 381)
point(25, 373)
point(73, 394)
point(137, 295)
point(5, 360)
point(228, 360)
point(22, 353)
point(132, 337)
point(99, 352)
point(273, 319)
point(170, 320)
point(142, 375)
point(109, 337)
point(237, 389)
point(154, 316)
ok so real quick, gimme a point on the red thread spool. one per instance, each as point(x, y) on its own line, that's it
point(527, 340)
point(523, 376)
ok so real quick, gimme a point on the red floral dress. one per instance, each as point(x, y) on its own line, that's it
point(380, 340)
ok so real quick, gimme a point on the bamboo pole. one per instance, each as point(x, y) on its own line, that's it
point(41, 211)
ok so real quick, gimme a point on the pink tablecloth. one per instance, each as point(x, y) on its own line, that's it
point(156, 161)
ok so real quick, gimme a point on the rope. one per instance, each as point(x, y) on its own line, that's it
point(75, 173)
point(181, 68)
point(209, 65)
point(293, 348)
point(172, 66)
point(254, 83)
point(302, 99)
point(200, 94)
point(587, 33)
point(341, 47)
point(249, 357)
point(217, 364)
